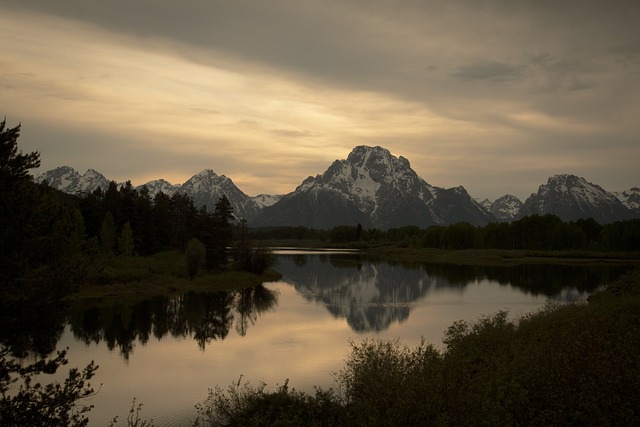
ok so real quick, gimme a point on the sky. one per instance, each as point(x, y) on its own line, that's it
point(493, 95)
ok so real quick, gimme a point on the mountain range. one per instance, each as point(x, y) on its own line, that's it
point(376, 189)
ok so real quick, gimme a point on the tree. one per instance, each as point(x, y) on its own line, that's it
point(19, 198)
point(217, 232)
point(195, 256)
point(41, 235)
point(125, 241)
point(13, 164)
point(108, 233)
point(35, 404)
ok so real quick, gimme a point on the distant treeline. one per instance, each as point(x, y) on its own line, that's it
point(546, 232)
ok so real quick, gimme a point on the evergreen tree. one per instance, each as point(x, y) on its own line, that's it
point(223, 236)
point(108, 233)
point(195, 256)
point(125, 241)
point(13, 164)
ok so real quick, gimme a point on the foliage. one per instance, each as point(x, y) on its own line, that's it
point(43, 250)
point(387, 384)
point(133, 418)
point(35, 404)
point(245, 405)
point(14, 166)
point(536, 232)
point(195, 256)
point(254, 259)
point(125, 241)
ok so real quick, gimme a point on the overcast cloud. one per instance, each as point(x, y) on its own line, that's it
point(492, 95)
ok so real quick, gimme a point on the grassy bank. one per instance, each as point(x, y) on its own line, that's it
point(163, 273)
point(564, 365)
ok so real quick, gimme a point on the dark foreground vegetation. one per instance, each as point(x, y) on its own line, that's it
point(564, 365)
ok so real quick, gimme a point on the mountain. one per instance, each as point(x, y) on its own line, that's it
point(376, 189)
point(571, 198)
point(373, 188)
point(68, 180)
point(264, 200)
point(160, 186)
point(631, 199)
point(206, 187)
point(506, 208)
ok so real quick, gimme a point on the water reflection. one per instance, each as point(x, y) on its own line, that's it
point(372, 294)
point(204, 317)
point(28, 326)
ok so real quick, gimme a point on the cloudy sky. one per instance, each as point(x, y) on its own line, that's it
point(493, 95)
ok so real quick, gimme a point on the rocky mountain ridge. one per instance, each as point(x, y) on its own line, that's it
point(376, 189)
point(571, 198)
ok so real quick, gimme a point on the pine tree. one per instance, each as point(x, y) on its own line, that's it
point(13, 164)
point(108, 233)
point(125, 241)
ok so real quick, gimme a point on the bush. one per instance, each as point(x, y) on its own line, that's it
point(253, 259)
point(386, 384)
point(246, 405)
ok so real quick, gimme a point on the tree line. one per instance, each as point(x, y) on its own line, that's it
point(536, 232)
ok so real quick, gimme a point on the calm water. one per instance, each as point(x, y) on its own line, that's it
point(168, 351)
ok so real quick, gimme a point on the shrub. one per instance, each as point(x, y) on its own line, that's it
point(253, 259)
point(246, 405)
point(386, 384)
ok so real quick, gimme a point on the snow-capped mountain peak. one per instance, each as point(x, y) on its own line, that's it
point(374, 188)
point(206, 188)
point(68, 180)
point(630, 198)
point(571, 197)
point(506, 207)
point(161, 186)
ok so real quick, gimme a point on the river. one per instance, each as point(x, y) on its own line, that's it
point(167, 352)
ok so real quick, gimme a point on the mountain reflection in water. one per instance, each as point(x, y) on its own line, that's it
point(371, 294)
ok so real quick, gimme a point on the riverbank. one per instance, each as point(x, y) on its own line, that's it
point(164, 273)
point(496, 257)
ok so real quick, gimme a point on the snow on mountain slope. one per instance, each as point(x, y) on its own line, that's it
point(206, 188)
point(68, 180)
point(264, 200)
point(506, 207)
point(160, 185)
point(376, 189)
point(571, 198)
point(630, 198)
